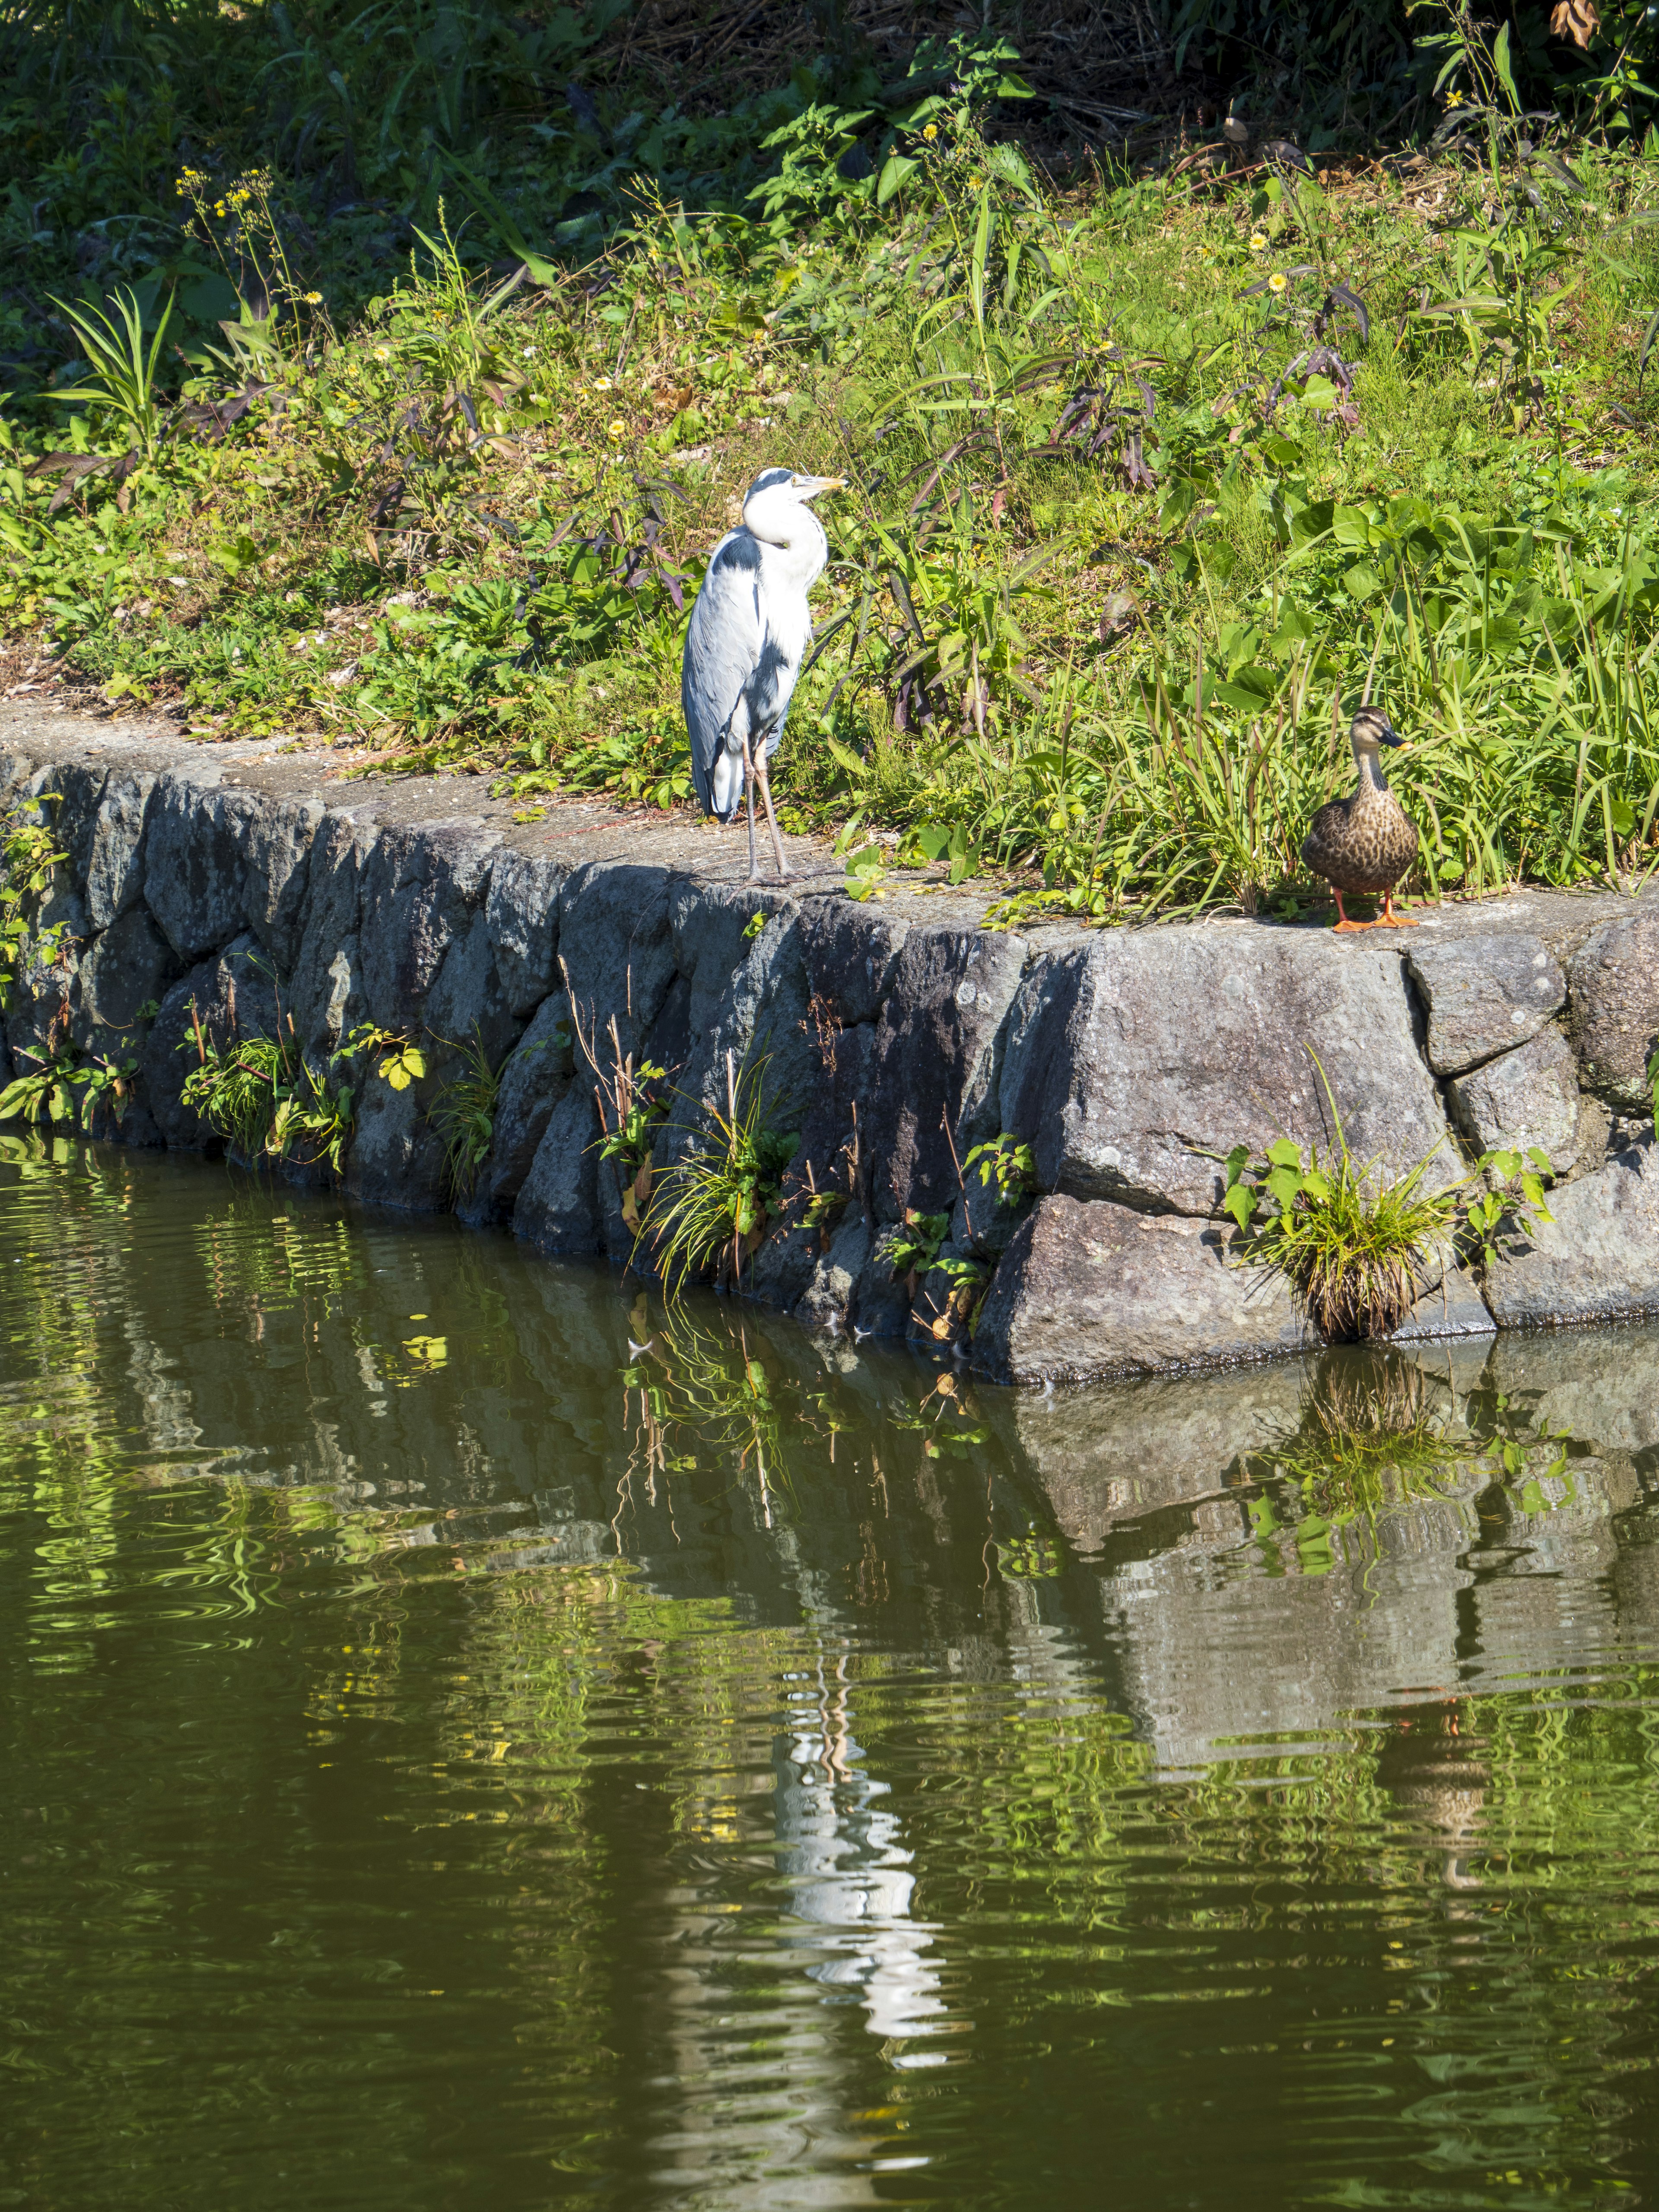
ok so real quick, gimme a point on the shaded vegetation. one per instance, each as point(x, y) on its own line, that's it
point(400, 408)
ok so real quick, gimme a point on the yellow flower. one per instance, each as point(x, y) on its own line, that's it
point(1455, 98)
point(930, 131)
point(382, 353)
point(313, 299)
point(974, 183)
point(602, 384)
point(1258, 242)
point(618, 430)
point(1278, 281)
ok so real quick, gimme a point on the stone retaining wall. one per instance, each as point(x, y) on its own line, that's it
point(251, 884)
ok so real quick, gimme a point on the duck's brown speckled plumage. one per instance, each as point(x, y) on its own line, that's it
point(1364, 844)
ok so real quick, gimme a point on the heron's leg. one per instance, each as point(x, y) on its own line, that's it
point(784, 869)
point(749, 788)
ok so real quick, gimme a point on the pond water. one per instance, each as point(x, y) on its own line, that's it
point(452, 1756)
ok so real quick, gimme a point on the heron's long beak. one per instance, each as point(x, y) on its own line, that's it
point(827, 484)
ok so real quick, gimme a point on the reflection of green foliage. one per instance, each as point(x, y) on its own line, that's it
point(1372, 1437)
point(1030, 1557)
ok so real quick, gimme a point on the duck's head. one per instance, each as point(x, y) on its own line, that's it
point(1371, 730)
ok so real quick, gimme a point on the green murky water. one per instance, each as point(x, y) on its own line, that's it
point(451, 1759)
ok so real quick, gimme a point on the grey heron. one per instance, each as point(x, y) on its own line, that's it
point(748, 635)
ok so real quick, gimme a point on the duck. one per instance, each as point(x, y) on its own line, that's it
point(1364, 844)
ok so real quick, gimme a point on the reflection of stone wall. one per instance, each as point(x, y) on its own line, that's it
point(1220, 1634)
point(221, 883)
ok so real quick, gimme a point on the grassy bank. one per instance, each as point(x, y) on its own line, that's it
point(1150, 475)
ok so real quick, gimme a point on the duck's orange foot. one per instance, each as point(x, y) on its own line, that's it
point(1344, 926)
point(1391, 919)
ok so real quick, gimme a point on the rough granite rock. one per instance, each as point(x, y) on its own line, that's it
point(1090, 1291)
point(827, 1301)
point(559, 1210)
point(533, 1081)
point(325, 991)
point(618, 953)
point(1134, 1056)
point(938, 1056)
point(467, 1007)
point(1484, 993)
point(79, 786)
point(1523, 1098)
point(397, 1156)
point(785, 1266)
point(231, 998)
point(115, 858)
point(881, 1300)
point(1614, 988)
point(1598, 1258)
point(1449, 1305)
point(219, 861)
point(420, 888)
point(126, 967)
point(523, 914)
point(748, 994)
point(850, 954)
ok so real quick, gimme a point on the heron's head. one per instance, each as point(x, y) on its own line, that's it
point(1371, 730)
point(777, 488)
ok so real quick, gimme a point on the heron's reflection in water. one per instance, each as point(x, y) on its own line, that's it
point(842, 1854)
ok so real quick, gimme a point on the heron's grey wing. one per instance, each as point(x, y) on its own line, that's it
point(724, 642)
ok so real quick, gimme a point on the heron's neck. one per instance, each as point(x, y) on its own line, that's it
point(796, 533)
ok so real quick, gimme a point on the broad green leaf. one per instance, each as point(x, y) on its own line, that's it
point(1240, 1201)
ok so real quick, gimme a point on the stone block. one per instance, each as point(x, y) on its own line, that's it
point(617, 950)
point(1086, 1292)
point(536, 1077)
point(1598, 1259)
point(232, 999)
point(827, 1301)
point(124, 968)
point(397, 1156)
point(217, 862)
point(1134, 1057)
point(1613, 984)
point(419, 889)
point(1484, 994)
point(326, 991)
point(115, 858)
point(522, 910)
point(467, 1004)
point(1524, 1099)
point(938, 1056)
point(558, 1210)
point(849, 953)
point(748, 994)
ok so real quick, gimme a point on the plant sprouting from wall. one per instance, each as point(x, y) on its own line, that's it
point(712, 1207)
point(1358, 1246)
